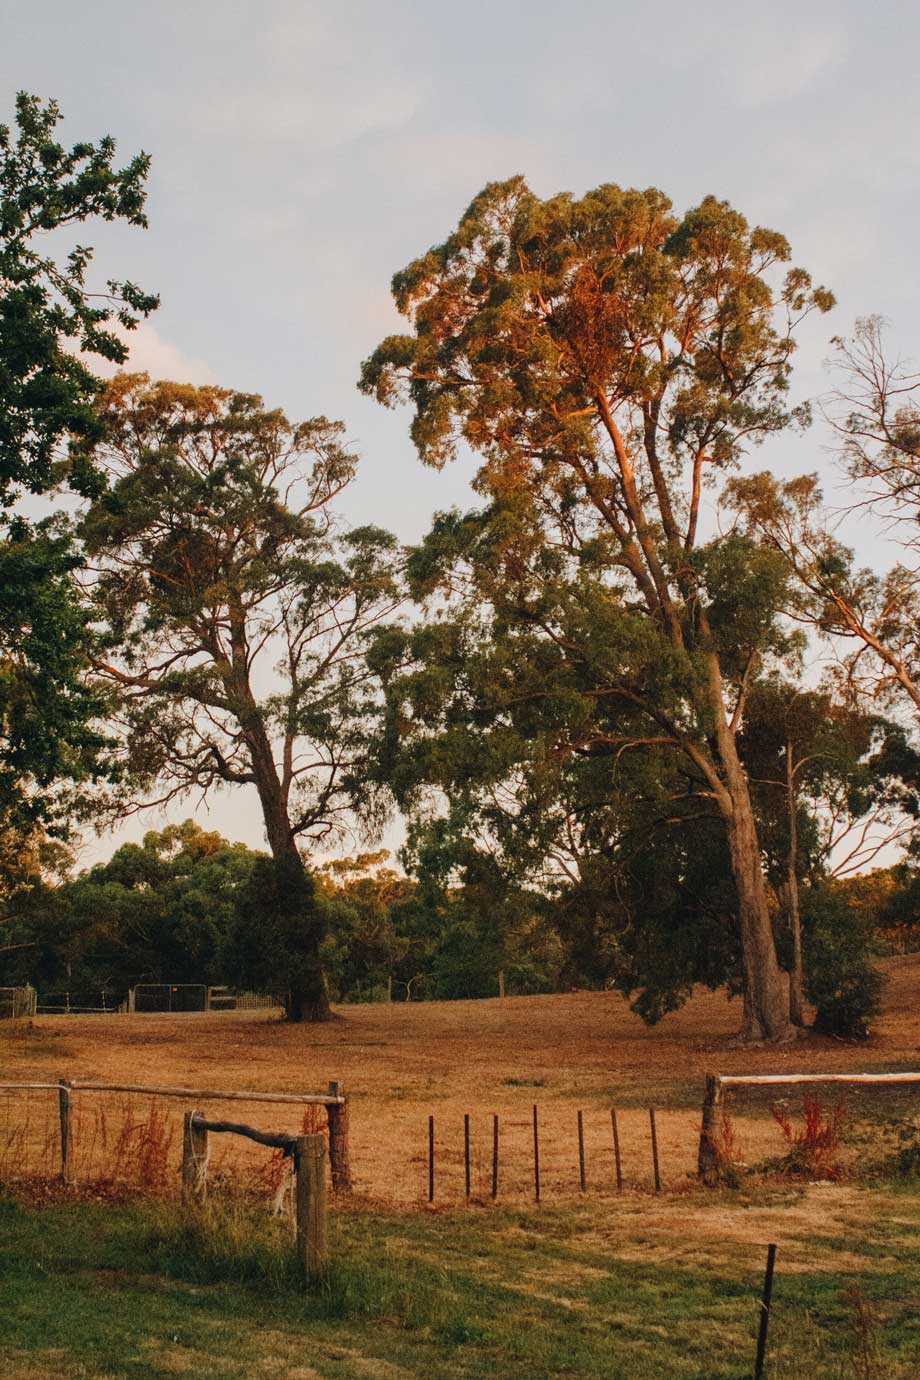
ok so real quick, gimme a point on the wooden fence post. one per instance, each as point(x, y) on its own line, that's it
point(765, 1314)
point(708, 1157)
point(495, 1155)
point(616, 1148)
point(536, 1155)
point(339, 1162)
point(64, 1109)
point(501, 982)
point(581, 1151)
point(310, 1198)
point(651, 1121)
point(466, 1149)
point(194, 1159)
point(431, 1159)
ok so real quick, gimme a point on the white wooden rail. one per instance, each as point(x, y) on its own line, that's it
point(716, 1083)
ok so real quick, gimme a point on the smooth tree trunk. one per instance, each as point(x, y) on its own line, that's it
point(797, 981)
point(766, 984)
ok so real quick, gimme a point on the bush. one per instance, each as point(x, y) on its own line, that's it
point(842, 982)
point(812, 1148)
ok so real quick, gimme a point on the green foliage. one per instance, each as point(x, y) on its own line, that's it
point(275, 911)
point(46, 392)
point(159, 911)
point(364, 902)
point(219, 559)
point(51, 741)
point(50, 735)
point(606, 358)
point(842, 982)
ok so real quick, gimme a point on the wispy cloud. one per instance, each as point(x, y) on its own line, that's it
point(151, 354)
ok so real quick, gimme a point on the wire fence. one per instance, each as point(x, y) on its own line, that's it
point(123, 1140)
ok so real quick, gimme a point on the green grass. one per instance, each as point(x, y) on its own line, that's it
point(609, 1290)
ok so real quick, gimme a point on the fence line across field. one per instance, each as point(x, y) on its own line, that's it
point(580, 1153)
point(334, 1100)
point(708, 1159)
point(145, 998)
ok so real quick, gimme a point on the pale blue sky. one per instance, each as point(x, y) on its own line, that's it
point(304, 151)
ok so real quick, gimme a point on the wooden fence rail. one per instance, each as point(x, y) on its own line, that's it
point(708, 1159)
point(308, 1153)
point(334, 1100)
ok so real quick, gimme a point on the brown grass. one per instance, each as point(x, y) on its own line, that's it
point(401, 1062)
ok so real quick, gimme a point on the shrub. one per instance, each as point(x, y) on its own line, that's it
point(728, 1152)
point(903, 1162)
point(812, 1147)
point(842, 982)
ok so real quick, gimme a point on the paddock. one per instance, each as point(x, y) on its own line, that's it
point(402, 1063)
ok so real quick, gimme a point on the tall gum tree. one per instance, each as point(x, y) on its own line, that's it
point(871, 618)
point(608, 359)
point(235, 614)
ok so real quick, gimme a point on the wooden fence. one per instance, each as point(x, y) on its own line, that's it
point(334, 1100)
point(307, 1154)
point(163, 998)
point(709, 1160)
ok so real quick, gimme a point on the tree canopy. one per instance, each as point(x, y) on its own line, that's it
point(608, 360)
point(235, 612)
point(52, 320)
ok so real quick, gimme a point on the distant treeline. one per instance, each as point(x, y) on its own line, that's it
point(183, 906)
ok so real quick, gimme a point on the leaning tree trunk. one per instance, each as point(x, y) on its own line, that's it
point(766, 985)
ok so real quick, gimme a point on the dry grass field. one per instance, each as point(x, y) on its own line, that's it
point(402, 1062)
point(627, 1287)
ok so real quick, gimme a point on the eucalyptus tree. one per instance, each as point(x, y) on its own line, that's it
point(871, 617)
point(53, 319)
point(609, 360)
point(236, 613)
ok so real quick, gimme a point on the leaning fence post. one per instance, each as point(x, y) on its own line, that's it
point(310, 1198)
point(339, 1162)
point(616, 1148)
point(194, 1159)
point(64, 1108)
point(708, 1157)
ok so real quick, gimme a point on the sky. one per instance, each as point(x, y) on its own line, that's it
point(303, 152)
